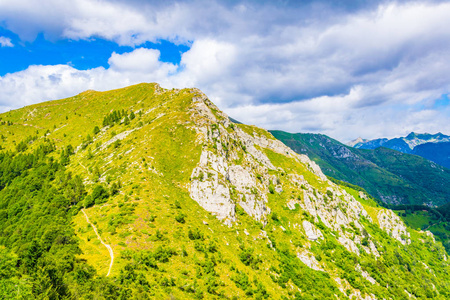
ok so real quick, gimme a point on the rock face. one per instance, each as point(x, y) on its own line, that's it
point(229, 172)
point(312, 232)
point(392, 224)
point(210, 190)
point(365, 275)
point(310, 260)
point(234, 170)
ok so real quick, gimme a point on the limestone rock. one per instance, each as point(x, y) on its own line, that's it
point(393, 225)
point(311, 231)
point(213, 196)
point(349, 244)
point(365, 274)
point(310, 260)
point(291, 204)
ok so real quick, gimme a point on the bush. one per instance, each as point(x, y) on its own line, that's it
point(249, 259)
point(116, 144)
point(88, 201)
point(180, 218)
point(195, 234)
point(163, 253)
point(274, 216)
point(99, 194)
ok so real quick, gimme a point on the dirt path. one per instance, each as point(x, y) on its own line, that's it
point(111, 253)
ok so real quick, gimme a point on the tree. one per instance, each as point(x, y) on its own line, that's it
point(99, 194)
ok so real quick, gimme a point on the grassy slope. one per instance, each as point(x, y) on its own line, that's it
point(153, 165)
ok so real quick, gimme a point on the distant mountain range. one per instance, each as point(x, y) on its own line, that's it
point(435, 147)
point(392, 176)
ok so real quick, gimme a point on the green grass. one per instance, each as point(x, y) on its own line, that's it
point(417, 220)
point(157, 255)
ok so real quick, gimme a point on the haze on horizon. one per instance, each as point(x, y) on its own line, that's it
point(346, 69)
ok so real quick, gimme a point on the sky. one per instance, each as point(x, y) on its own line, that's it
point(346, 69)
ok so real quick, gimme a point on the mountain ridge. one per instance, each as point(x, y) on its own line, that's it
point(193, 206)
point(412, 140)
point(434, 147)
point(386, 174)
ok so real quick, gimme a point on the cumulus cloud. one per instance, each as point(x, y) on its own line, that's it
point(40, 83)
point(5, 42)
point(341, 69)
point(141, 60)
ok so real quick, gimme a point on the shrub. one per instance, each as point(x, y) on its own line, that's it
point(99, 194)
point(88, 201)
point(180, 218)
point(330, 194)
point(271, 189)
point(195, 234)
point(163, 253)
point(274, 216)
point(116, 144)
point(248, 258)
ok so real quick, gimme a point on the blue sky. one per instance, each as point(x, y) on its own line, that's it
point(342, 68)
point(80, 54)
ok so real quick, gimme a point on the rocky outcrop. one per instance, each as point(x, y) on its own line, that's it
point(312, 232)
point(365, 275)
point(212, 195)
point(349, 244)
point(230, 182)
point(310, 260)
point(393, 225)
point(237, 171)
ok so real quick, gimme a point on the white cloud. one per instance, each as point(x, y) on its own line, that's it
point(5, 42)
point(373, 71)
point(41, 83)
point(140, 60)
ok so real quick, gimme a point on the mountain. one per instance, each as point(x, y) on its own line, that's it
point(144, 192)
point(393, 177)
point(367, 144)
point(358, 141)
point(402, 144)
point(437, 152)
point(434, 147)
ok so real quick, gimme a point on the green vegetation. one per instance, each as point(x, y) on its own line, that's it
point(126, 157)
point(389, 175)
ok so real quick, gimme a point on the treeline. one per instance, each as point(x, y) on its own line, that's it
point(411, 208)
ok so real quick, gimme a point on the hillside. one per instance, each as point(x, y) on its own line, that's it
point(391, 176)
point(189, 206)
point(437, 152)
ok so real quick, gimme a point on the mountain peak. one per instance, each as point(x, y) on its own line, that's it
point(411, 135)
point(359, 140)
